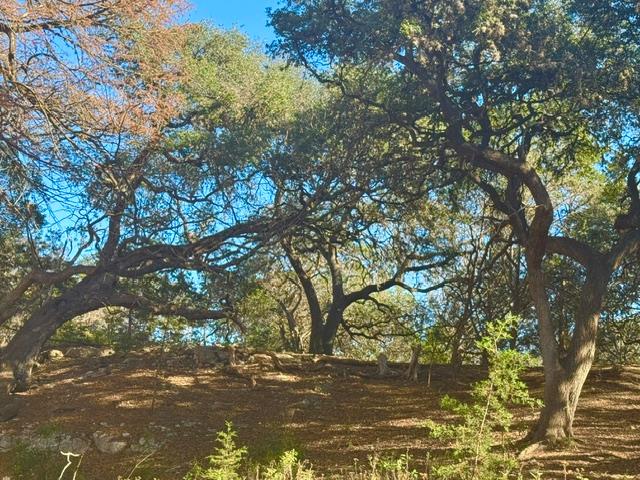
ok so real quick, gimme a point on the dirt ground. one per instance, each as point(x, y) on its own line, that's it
point(336, 414)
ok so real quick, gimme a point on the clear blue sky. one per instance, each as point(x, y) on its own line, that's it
point(248, 16)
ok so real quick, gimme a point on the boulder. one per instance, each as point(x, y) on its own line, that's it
point(108, 443)
point(52, 355)
point(9, 408)
point(261, 359)
point(89, 352)
point(6, 442)
point(77, 445)
point(146, 444)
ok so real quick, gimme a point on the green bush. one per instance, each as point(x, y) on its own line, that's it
point(475, 454)
point(225, 462)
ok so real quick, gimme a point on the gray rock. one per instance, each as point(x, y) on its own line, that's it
point(146, 444)
point(89, 352)
point(43, 442)
point(108, 443)
point(261, 359)
point(77, 445)
point(6, 442)
point(9, 408)
point(81, 352)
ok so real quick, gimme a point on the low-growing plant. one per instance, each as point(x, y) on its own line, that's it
point(272, 445)
point(287, 467)
point(479, 449)
point(226, 461)
point(29, 463)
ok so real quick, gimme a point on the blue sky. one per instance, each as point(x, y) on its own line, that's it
point(246, 15)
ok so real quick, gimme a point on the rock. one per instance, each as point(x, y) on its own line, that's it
point(52, 355)
point(210, 355)
point(146, 444)
point(6, 442)
point(108, 443)
point(531, 451)
point(81, 352)
point(89, 352)
point(43, 442)
point(312, 402)
point(9, 409)
point(106, 352)
point(261, 359)
point(77, 445)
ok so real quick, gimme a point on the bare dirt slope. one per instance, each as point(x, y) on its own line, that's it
point(334, 413)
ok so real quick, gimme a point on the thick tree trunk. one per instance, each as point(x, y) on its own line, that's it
point(317, 334)
point(565, 377)
point(560, 401)
point(334, 320)
point(23, 349)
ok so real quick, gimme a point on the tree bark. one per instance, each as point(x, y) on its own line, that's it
point(565, 377)
point(315, 310)
point(22, 351)
point(335, 317)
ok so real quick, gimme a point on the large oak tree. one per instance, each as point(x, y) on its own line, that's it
point(507, 96)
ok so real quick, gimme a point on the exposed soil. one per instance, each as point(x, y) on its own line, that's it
point(335, 414)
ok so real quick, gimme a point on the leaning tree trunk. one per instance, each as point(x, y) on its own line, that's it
point(565, 377)
point(22, 351)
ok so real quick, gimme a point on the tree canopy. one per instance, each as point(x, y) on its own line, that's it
point(394, 173)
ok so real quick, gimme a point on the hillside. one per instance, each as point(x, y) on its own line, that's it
point(334, 411)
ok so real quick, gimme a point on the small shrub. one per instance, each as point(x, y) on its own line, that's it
point(273, 445)
point(287, 467)
point(226, 461)
point(475, 455)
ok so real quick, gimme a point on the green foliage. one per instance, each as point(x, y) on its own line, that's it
point(49, 430)
point(475, 455)
point(273, 445)
point(30, 463)
point(287, 467)
point(435, 345)
point(385, 468)
point(226, 461)
point(260, 313)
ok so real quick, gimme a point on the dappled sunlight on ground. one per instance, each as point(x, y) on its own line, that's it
point(334, 416)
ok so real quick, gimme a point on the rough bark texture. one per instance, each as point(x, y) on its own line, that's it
point(335, 318)
point(23, 349)
point(565, 377)
point(315, 310)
